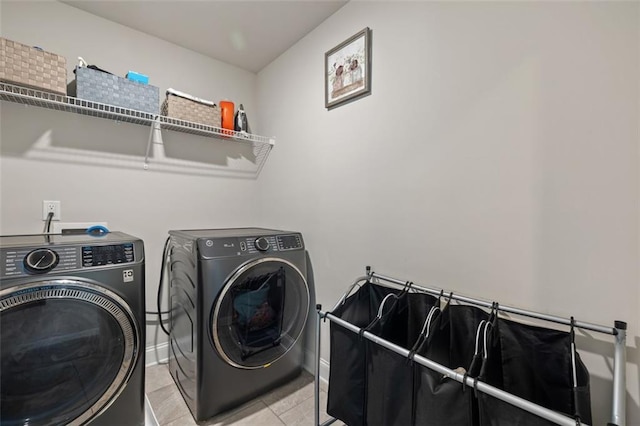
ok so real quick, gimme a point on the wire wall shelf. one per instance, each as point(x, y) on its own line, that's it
point(27, 96)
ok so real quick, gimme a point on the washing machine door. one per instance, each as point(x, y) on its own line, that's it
point(67, 349)
point(260, 313)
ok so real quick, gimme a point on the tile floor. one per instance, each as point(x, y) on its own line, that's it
point(291, 404)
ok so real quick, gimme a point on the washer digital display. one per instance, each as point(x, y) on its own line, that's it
point(107, 255)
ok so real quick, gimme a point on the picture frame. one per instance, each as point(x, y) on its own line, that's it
point(347, 70)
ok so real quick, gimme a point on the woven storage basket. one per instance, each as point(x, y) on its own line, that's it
point(97, 86)
point(188, 110)
point(27, 66)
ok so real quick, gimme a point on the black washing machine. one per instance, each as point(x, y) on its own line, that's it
point(239, 302)
point(72, 330)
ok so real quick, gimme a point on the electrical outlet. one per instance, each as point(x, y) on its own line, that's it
point(51, 207)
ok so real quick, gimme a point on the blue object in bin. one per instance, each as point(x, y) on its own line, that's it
point(136, 76)
point(97, 231)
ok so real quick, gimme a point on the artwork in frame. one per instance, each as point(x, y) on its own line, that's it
point(347, 70)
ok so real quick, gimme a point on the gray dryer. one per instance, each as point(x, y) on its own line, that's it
point(239, 301)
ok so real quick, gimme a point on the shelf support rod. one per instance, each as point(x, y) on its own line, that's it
point(154, 135)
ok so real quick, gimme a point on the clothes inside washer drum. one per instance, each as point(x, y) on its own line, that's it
point(258, 312)
point(248, 305)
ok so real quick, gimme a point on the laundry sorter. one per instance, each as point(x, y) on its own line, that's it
point(406, 354)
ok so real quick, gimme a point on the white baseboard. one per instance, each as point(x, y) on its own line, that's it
point(309, 365)
point(156, 354)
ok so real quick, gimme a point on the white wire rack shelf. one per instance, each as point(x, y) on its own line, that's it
point(24, 95)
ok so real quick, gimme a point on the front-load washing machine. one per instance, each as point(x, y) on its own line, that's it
point(239, 301)
point(72, 330)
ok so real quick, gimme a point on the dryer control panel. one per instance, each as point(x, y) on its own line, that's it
point(269, 243)
point(251, 244)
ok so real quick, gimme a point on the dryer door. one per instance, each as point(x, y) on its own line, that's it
point(67, 349)
point(260, 313)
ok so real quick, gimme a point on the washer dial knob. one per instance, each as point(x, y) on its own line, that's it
point(41, 260)
point(262, 244)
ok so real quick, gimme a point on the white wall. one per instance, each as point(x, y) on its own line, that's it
point(497, 156)
point(144, 203)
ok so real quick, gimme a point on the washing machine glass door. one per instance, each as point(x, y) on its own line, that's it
point(67, 348)
point(260, 313)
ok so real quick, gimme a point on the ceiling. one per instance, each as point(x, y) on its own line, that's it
point(247, 34)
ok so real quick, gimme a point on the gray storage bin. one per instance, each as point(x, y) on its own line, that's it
point(98, 86)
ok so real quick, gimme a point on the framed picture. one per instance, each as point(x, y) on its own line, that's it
point(347, 70)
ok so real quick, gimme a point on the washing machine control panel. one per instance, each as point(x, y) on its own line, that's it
point(24, 261)
point(38, 260)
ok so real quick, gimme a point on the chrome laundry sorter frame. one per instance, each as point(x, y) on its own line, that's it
point(618, 331)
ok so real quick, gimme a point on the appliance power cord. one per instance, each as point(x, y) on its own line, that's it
point(47, 224)
point(163, 266)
